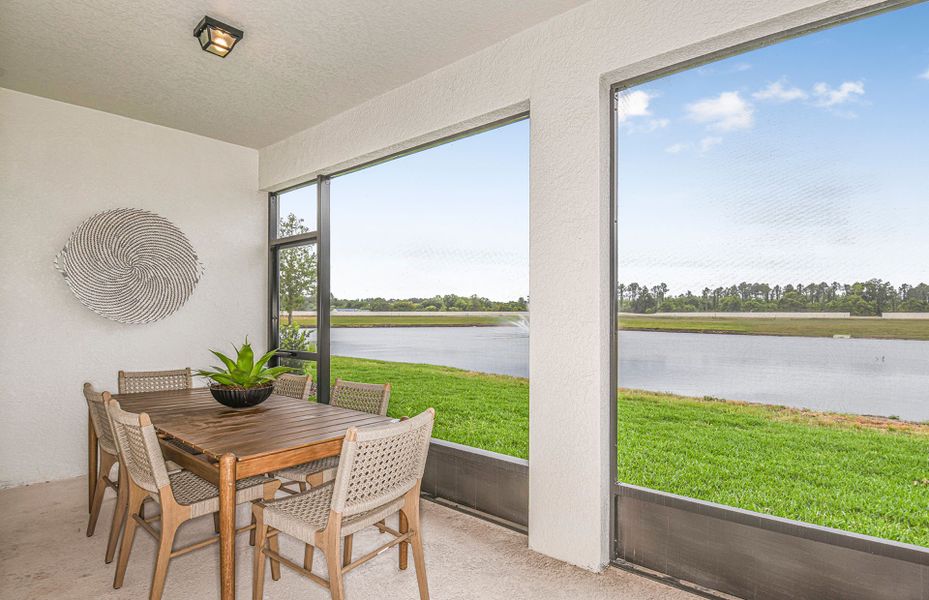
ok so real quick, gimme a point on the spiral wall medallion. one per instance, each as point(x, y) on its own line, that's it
point(130, 265)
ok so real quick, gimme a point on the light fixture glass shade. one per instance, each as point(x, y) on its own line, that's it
point(216, 37)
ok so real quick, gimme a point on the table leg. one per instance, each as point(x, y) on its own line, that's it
point(227, 526)
point(91, 462)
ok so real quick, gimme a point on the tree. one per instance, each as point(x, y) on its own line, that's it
point(297, 267)
point(861, 298)
point(661, 291)
point(379, 305)
point(294, 338)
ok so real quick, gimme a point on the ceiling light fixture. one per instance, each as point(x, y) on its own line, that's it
point(217, 37)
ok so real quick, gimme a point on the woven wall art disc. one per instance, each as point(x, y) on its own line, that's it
point(130, 265)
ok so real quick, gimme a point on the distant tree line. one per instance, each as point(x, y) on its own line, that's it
point(869, 298)
point(448, 302)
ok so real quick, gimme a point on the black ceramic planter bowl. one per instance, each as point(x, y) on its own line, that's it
point(241, 398)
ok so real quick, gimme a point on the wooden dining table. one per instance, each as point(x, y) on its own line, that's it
point(223, 444)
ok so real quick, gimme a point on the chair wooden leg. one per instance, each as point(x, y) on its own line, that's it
point(402, 546)
point(251, 534)
point(170, 521)
point(347, 551)
point(419, 559)
point(258, 574)
point(119, 513)
point(216, 522)
point(411, 508)
point(268, 493)
point(91, 462)
point(106, 463)
point(136, 496)
point(335, 569)
point(308, 557)
point(275, 564)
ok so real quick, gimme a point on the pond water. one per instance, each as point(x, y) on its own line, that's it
point(877, 377)
point(502, 350)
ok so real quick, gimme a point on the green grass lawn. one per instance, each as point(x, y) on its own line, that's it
point(897, 329)
point(477, 409)
point(863, 475)
point(860, 475)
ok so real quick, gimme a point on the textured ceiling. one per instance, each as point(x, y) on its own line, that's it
point(301, 61)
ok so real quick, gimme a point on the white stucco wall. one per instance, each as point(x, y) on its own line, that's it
point(59, 164)
point(562, 70)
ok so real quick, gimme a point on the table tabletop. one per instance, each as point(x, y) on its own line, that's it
point(279, 423)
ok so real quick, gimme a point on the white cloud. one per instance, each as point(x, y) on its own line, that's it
point(648, 126)
point(726, 112)
point(924, 74)
point(827, 96)
point(704, 145)
point(637, 104)
point(678, 147)
point(710, 141)
point(778, 92)
point(718, 69)
point(633, 104)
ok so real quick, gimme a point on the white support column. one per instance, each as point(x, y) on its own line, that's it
point(569, 357)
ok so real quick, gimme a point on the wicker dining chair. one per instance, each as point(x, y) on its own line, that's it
point(295, 386)
point(106, 446)
point(183, 495)
point(365, 397)
point(380, 473)
point(132, 382)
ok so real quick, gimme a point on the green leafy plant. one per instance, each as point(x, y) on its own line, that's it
point(244, 372)
point(293, 337)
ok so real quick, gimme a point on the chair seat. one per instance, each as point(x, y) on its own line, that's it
point(300, 472)
point(170, 464)
point(302, 515)
point(203, 497)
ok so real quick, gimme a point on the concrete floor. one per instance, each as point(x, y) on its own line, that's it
point(46, 554)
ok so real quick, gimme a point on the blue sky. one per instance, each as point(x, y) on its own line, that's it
point(803, 161)
point(451, 219)
point(806, 160)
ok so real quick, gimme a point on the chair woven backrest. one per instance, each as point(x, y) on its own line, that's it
point(96, 404)
point(138, 447)
point(367, 397)
point(132, 382)
point(295, 386)
point(380, 464)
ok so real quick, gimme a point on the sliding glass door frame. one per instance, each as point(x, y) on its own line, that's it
point(320, 238)
point(614, 91)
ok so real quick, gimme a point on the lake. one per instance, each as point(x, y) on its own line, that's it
point(877, 377)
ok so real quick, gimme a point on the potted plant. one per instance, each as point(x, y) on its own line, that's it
point(243, 382)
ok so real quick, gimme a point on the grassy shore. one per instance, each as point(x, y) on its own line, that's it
point(860, 474)
point(442, 320)
point(896, 329)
